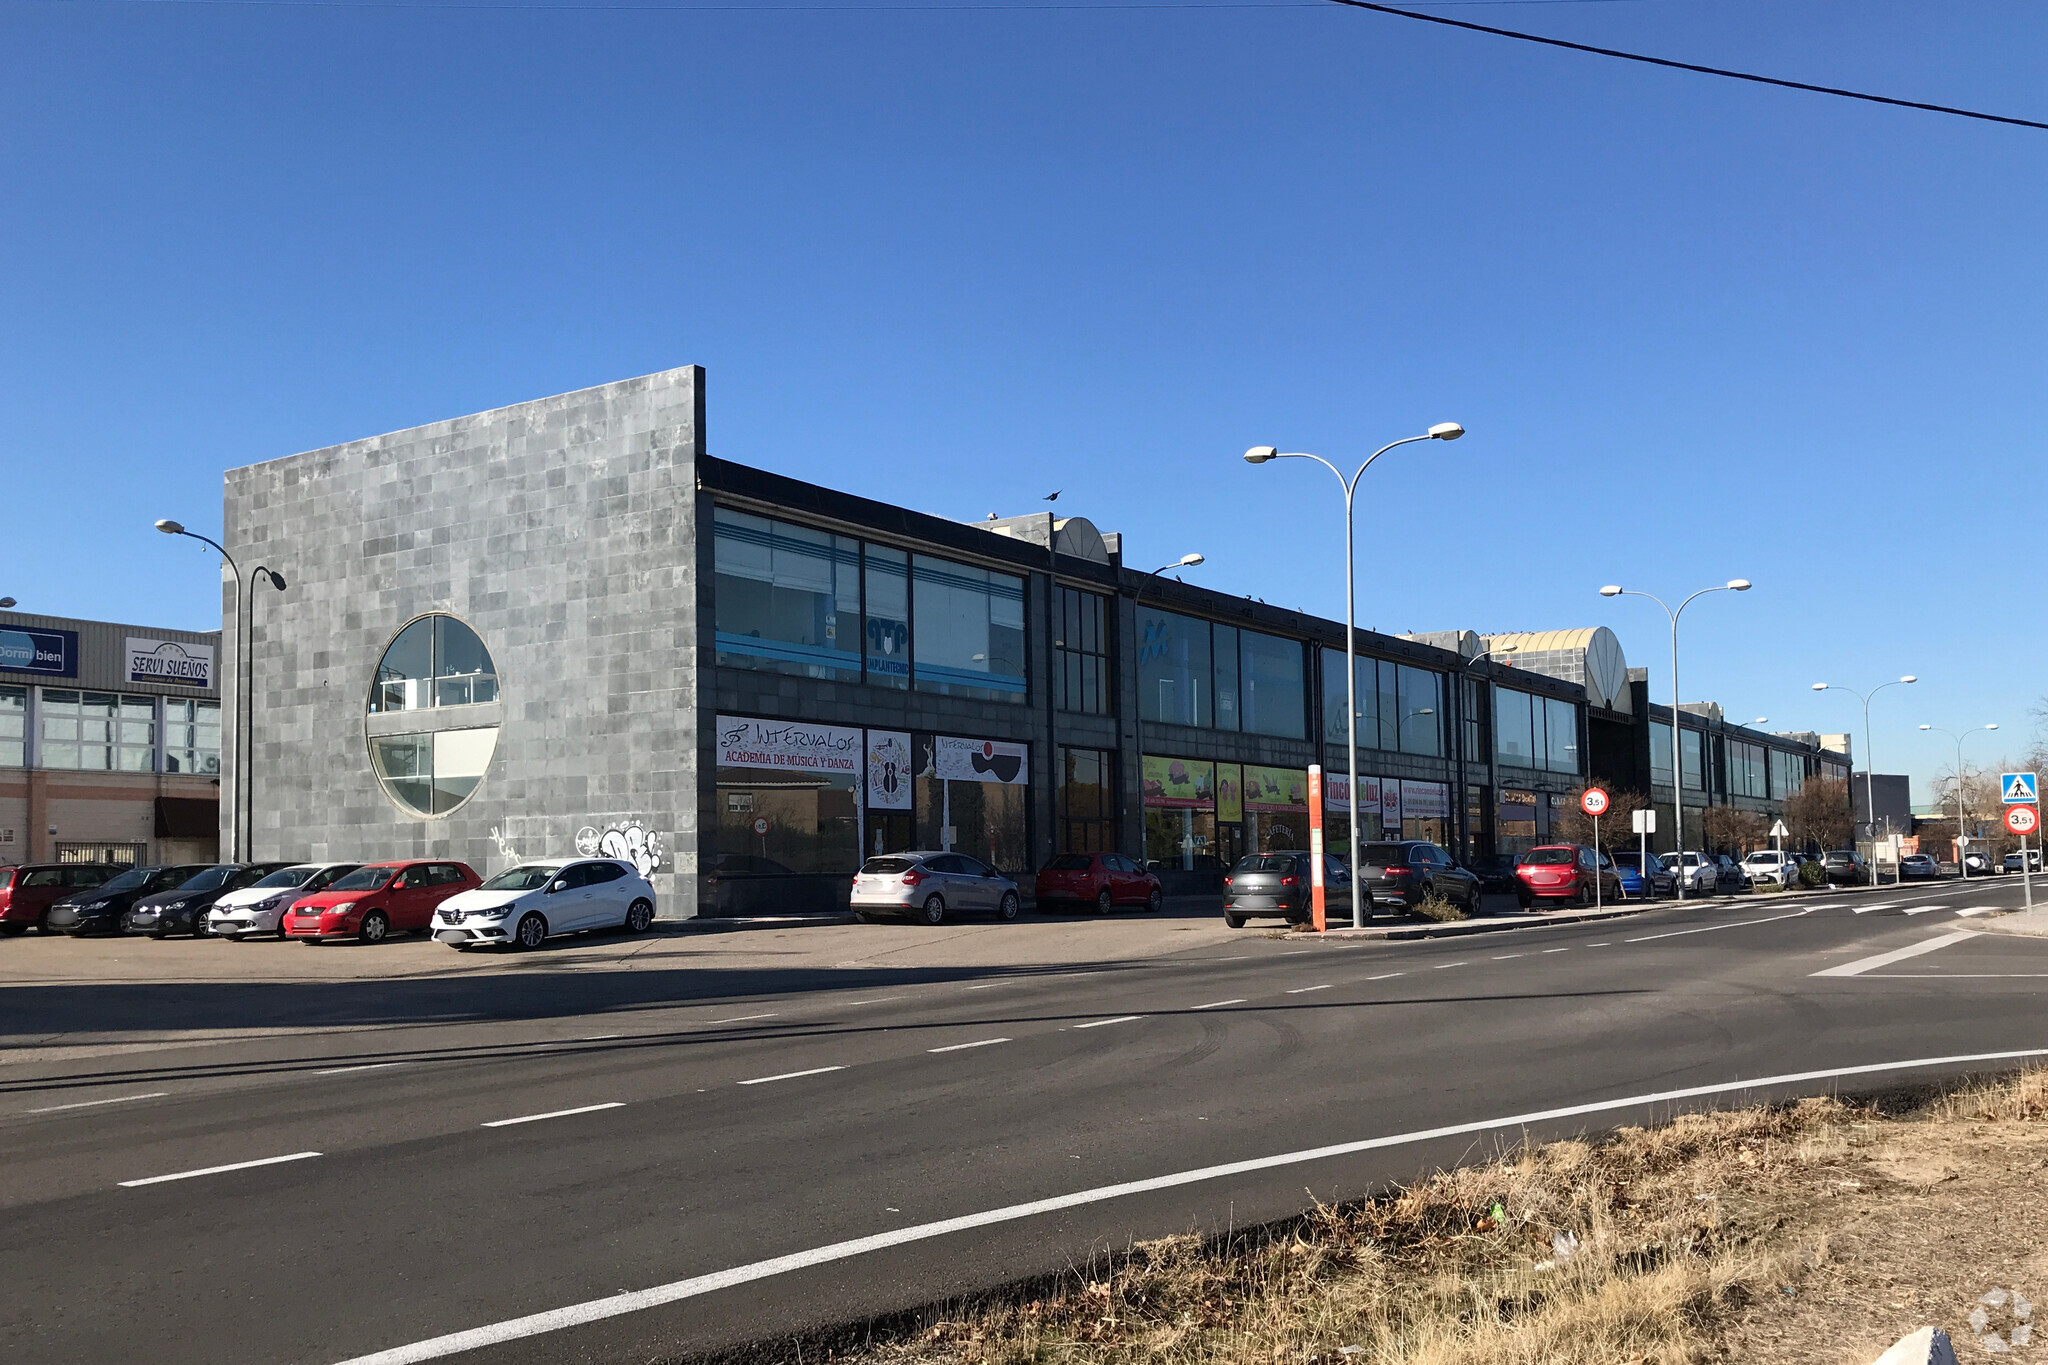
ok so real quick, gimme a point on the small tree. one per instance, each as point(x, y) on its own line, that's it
point(1736, 831)
point(1818, 813)
point(1617, 826)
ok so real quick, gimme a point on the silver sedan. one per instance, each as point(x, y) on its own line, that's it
point(928, 886)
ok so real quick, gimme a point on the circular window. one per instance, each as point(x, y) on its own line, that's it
point(435, 672)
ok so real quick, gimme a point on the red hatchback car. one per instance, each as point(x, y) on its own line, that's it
point(27, 892)
point(1105, 880)
point(1565, 872)
point(377, 900)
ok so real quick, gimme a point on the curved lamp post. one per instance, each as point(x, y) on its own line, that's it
point(6, 603)
point(1961, 866)
point(241, 774)
point(1869, 755)
point(248, 715)
point(1677, 759)
point(1442, 431)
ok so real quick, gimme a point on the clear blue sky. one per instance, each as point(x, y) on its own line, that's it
point(1697, 329)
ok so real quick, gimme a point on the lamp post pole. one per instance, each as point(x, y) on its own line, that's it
point(1870, 755)
point(1442, 431)
point(241, 777)
point(248, 713)
point(1962, 866)
point(1677, 757)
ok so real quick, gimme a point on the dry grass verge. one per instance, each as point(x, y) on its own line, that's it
point(1442, 911)
point(1766, 1233)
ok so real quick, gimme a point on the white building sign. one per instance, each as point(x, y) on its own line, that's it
point(1426, 800)
point(1337, 794)
point(744, 742)
point(980, 760)
point(169, 661)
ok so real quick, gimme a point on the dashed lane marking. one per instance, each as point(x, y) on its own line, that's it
point(1711, 928)
point(792, 1075)
point(1218, 1004)
point(962, 1047)
point(744, 1018)
point(1441, 965)
point(365, 1066)
point(94, 1104)
point(219, 1170)
point(1304, 990)
point(555, 1114)
point(1386, 976)
point(1120, 1019)
point(1866, 964)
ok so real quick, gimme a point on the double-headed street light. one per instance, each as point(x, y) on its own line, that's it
point(1869, 757)
point(1442, 431)
point(1677, 760)
point(1962, 865)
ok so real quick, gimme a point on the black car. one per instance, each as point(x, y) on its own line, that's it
point(1846, 868)
point(1406, 874)
point(1496, 873)
point(101, 909)
point(1281, 885)
point(183, 909)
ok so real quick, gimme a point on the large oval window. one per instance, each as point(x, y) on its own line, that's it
point(438, 670)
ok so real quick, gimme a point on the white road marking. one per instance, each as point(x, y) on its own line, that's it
point(1957, 976)
point(1599, 945)
point(366, 1066)
point(1120, 1019)
point(1881, 905)
point(555, 1114)
point(1388, 976)
point(1218, 1004)
point(962, 1047)
point(876, 1000)
point(94, 1104)
point(792, 1075)
point(1239, 958)
point(1304, 990)
point(600, 1037)
point(1508, 957)
point(1865, 964)
point(1441, 965)
point(1710, 928)
point(218, 1170)
point(634, 1301)
point(1920, 909)
point(984, 985)
point(1297, 952)
point(1978, 910)
point(1566, 950)
point(743, 1018)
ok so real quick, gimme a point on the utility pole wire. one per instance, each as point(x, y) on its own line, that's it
point(1689, 66)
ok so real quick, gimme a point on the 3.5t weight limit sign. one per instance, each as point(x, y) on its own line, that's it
point(2023, 819)
point(1594, 801)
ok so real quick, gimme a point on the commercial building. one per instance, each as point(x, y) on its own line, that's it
point(564, 625)
point(109, 742)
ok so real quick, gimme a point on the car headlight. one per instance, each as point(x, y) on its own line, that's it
point(495, 912)
point(345, 905)
point(270, 904)
point(98, 905)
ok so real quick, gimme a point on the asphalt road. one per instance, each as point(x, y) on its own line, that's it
point(520, 1145)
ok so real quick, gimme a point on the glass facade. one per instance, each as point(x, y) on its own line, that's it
point(1692, 753)
point(812, 825)
point(1274, 690)
point(13, 727)
point(1081, 666)
point(1192, 672)
point(1087, 805)
point(967, 631)
point(98, 731)
point(788, 598)
point(1660, 753)
point(1747, 774)
point(1788, 773)
point(1400, 708)
point(191, 735)
point(1535, 732)
point(436, 661)
point(887, 626)
point(1175, 669)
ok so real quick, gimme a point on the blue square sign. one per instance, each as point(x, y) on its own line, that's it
point(2017, 789)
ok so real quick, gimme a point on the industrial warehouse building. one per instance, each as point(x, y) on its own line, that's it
point(565, 626)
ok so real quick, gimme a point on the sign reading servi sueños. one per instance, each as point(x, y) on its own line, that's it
point(169, 661)
point(53, 653)
point(745, 742)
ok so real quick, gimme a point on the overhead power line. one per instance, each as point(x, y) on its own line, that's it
point(1689, 66)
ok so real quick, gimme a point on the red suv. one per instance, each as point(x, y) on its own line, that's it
point(1104, 879)
point(27, 891)
point(1565, 872)
point(376, 900)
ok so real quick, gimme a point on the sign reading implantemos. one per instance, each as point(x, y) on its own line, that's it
point(169, 661)
point(53, 653)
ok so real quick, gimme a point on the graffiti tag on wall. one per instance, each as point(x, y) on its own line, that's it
point(627, 840)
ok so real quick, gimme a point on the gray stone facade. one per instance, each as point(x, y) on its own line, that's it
point(563, 532)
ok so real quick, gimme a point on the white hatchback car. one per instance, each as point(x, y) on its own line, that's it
point(258, 909)
point(526, 904)
point(1769, 866)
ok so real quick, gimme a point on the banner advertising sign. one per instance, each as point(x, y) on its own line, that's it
point(169, 661)
point(52, 653)
point(792, 745)
point(888, 770)
point(1179, 783)
point(1391, 791)
point(1229, 793)
point(1275, 789)
point(1337, 794)
point(980, 760)
point(1425, 801)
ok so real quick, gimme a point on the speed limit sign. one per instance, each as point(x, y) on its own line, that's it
point(1594, 801)
point(2022, 819)
point(760, 824)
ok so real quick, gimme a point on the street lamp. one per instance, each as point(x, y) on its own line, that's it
point(1869, 757)
point(1677, 759)
point(1442, 431)
point(248, 713)
point(241, 774)
point(1962, 866)
point(1187, 561)
point(6, 603)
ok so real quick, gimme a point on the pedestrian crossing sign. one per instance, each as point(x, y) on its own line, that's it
point(2019, 788)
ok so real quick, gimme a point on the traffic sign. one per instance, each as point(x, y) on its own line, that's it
point(1594, 801)
point(2015, 788)
point(2022, 819)
point(1646, 820)
point(760, 824)
point(1778, 830)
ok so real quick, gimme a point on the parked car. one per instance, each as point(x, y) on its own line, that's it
point(1103, 880)
point(1406, 874)
point(1769, 866)
point(1846, 867)
point(27, 892)
point(1699, 872)
point(1282, 885)
point(1730, 876)
point(377, 900)
point(258, 908)
point(525, 905)
point(1918, 867)
point(101, 909)
point(1496, 873)
point(929, 885)
point(2033, 861)
point(184, 908)
point(1977, 863)
point(1651, 872)
point(1567, 872)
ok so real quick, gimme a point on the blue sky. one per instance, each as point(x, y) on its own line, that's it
point(1697, 329)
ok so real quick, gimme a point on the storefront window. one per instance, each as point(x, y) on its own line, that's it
point(1229, 693)
point(1174, 669)
point(1515, 731)
point(792, 821)
point(971, 800)
point(1517, 821)
point(1275, 809)
point(1426, 812)
point(887, 627)
point(1275, 692)
point(13, 727)
point(1081, 654)
point(1479, 820)
point(787, 598)
point(191, 736)
point(1086, 797)
point(1180, 814)
point(969, 636)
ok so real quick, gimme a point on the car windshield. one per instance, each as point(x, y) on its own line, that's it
point(129, 880)
point(530, 878)
point(1273, 862)
point(210, 880)
point(1069, 862)
point(1632, 861)
point(365, 879)
point(878, 866)
point(1382, 855)
point(286, 876)
point(1763, 857)
point(1550, 857)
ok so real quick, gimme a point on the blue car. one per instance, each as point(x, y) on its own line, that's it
point(1633, 884)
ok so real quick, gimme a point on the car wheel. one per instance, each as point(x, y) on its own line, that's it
point(376, 927)
point(1233, 921)
point(1103, 903)
point(200, 928)
point(1155, 900)
point(531, 931)
point(934, 911)
point(1009, 907)
point(639, 917)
